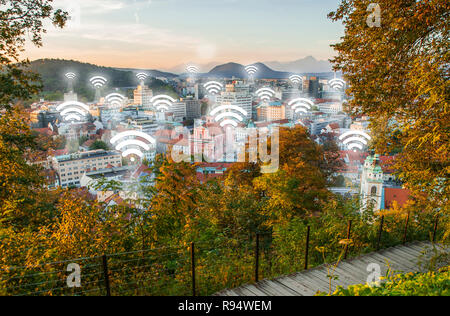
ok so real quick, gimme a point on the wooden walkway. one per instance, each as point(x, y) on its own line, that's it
point(408, 258)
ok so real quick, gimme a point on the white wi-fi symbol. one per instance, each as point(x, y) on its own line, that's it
point(301, 105)
point(355, 139)
point(98, 81)
point(296, 79)
point(251, 70)
point(213, 87)
point(337, 84)
point(265, 94)
point(162, 102)
point(132, 143)
point(73, 111)
point(70, 75)
point(225, 115)
point(192, 69)
point(116, 100)
point(142, 76)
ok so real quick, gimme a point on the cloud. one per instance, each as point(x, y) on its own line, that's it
point(93, 6)
point(137, 35)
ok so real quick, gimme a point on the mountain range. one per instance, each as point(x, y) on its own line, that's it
point(308, 64)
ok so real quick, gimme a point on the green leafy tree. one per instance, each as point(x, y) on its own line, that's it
point(21, 21)
point(98, 144)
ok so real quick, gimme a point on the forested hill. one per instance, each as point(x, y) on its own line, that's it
point(52, 72)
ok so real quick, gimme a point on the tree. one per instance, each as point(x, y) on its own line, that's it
point(398, 74)
point(299, 186)
point(19, 21)
point(98, 144)
point(20, 181)
point(174, 199)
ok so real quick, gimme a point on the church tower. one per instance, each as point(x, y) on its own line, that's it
point(372, 184)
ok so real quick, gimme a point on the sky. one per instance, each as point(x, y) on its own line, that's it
point(163, 34)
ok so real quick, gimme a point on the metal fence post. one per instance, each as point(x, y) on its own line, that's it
point(349, 229)
point(193, 268)
point(307, 247)
point(257, 259)
point(380, 232)
point(106, 275)
point(405, 233)
point(436, 223)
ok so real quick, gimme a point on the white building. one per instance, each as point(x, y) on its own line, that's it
point(241, 98)
point(143, 96)
point(179, 111)
point(70, 168)
point(331, 107)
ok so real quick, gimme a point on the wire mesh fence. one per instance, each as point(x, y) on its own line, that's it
point(205, 268)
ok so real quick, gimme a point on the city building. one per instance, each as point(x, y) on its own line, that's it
point(142, 124)
point(271, 111)
point(143, 95)
point(241, 98)
point(314, 87)
point(179, 111)
point(42, 118)
point(331, 107)
point(193, 108)
point(70, 168)
point(379, 186)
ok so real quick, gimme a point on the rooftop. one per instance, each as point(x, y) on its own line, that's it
point(87, 155)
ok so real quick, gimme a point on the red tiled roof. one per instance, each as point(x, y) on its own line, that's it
point(183, 142)
point(45, 131)
point(334, 126)
point(215, 165)
point(399, 195)
point(167, 133)
point(88, 143)
point(142, 169)
point(204, 178)
point(59, 152)
point(318, 101)
point(116, 198)
point(354, 157)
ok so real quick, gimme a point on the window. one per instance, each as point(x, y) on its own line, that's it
point(373, 191)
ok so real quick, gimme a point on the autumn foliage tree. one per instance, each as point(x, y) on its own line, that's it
point(300, 185)
point(398, 74)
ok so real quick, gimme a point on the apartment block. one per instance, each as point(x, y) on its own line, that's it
point(70, 168)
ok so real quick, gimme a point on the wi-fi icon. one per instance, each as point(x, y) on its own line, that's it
point(162, 102)
point(192, 69)
point(132, 143)
point(98, 81)
point(301, 105)
point(296, 79)
point(116, 100)
point(337, 84)
point(226, 117)
point(213, 87)
point(73, 111)
point(355, 139)
point(251, 70)
point(265, 94)
point(142, 76)
point(70, 75)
